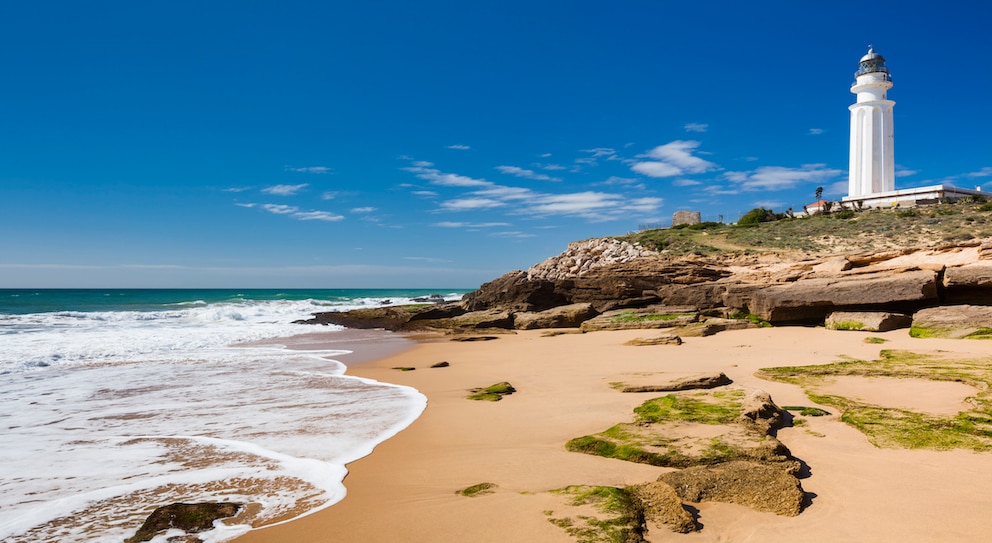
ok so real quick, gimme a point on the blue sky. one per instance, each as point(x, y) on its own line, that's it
point(441, 144)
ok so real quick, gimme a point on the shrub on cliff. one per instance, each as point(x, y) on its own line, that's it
point(756, 216)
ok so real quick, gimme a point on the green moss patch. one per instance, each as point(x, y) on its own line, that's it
point(492, 393)
point(636, 317)
point(875, 340)
point(478, 490)
point(806, 411)
point(615, 515)
point(903, 428)
point(404, 368)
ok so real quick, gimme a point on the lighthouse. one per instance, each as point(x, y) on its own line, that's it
point(872, 167)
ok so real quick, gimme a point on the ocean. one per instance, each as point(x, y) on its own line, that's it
point(115, 402)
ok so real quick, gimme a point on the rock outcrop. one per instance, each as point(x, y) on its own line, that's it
point(605, 284)
point(759, 486)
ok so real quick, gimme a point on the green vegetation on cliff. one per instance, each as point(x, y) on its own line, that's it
point(841, 231)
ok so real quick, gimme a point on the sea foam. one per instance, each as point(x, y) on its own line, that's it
point(108, 415)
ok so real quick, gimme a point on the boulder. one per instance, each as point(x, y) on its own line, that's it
point(953, 321)
point(867, 321)
point(811, 300)
point(491, 318)
point(662, 505)
point(759, 486)
point(566, 316)
point(759, 412)
point(189, 517)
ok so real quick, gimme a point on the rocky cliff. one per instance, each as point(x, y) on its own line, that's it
point(623, 285)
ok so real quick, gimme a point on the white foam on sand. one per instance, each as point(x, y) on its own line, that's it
point(129, 413)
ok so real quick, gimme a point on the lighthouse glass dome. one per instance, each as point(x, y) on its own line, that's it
point(872, 63)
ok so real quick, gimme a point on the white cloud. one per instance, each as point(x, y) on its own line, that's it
point(425, 193)
point(330, 195)
point(836, 189)
point(285, 190)
point(671, 159)
point(685, 183)
point(249, 205)
point(679, 153)
point(656, 169)
point(459, 147)
point(696, 127)
point(526, 174)
point(545, 155)
point(466, 204)
point(550, 167)
point(984, 172)
point(780, 178)
point(364, 209)
point(236, 189)
point(906, 172)
point(815, 131)
point(310, 169)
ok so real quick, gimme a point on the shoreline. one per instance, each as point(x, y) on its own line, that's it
point(406, 489)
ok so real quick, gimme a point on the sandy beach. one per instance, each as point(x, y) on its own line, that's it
point(406, 490)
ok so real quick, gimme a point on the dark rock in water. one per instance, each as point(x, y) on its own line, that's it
point(190, 517)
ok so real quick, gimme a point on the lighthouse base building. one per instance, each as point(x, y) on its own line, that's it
point(872, 162)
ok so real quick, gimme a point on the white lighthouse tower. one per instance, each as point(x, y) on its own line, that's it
point(872, 168)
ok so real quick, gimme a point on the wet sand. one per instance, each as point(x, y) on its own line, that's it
point(406, 490)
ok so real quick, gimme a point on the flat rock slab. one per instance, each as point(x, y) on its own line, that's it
point(867, 321)
point(651, 317)
point(667, 339)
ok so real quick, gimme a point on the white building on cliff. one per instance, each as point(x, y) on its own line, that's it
point(872, 161)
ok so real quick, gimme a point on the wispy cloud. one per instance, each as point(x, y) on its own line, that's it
point(550, 167)
point(526, 174)
point(459, 147)
point(426, 171)
point(364, 209)
point(426, 259)
point(453, 224)
point(599, 152)
point(310, 169)
point(780, 178)
point(696, 127)
point(425, 193)
point(671, 159)
point(236, 189)
point(769, 204)
point(248, 205)
point(513, 235)
point(469, 204)
point(984, 172)
point(815, 131)
point(685, 183)
point(296, 213)
point(285, 190)
point(906, 172)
